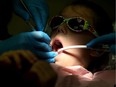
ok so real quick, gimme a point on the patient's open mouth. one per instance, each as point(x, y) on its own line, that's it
point(56, 45)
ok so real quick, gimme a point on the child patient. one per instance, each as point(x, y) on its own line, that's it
point(77, 24)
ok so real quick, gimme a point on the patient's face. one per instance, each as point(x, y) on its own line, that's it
point(63, 37)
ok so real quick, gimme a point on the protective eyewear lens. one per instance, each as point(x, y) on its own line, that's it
point(76, 24)
point(56, 21)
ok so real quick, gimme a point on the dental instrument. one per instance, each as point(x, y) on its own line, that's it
point(72, 47)
point(104, 48)
point(30, 22)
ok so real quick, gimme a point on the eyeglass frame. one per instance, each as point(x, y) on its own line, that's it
point(86, 26)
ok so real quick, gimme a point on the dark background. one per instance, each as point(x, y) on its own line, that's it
point(17, 25)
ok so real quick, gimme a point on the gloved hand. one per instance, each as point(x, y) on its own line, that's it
point(19, 59)
point(36, 41)
point(38, 9)
point(41, 74)
point(108, 39)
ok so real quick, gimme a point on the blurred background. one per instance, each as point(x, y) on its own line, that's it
point(17, 25)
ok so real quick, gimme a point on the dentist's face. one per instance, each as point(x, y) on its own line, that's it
point(63, 37)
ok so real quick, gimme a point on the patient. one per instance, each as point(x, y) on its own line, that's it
point(76, 24)
point(86, 22)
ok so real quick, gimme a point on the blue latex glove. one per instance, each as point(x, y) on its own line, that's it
point(36, 41)
point(108, 39)
point(38, 9)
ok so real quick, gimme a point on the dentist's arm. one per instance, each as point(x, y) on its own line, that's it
point(38, 9)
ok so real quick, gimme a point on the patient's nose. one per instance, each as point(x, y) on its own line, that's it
point(62, 28)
